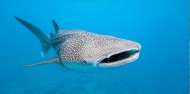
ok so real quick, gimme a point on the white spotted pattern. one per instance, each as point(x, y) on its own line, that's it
point(81, 46)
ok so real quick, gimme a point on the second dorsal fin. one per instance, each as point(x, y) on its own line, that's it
point(51, 35)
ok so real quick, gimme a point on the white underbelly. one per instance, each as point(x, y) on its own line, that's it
point(79, 66)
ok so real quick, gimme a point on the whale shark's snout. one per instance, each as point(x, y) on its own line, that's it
point(115, 52)
point(120, 57)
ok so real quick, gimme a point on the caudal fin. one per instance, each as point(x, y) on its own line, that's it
point(42, 36)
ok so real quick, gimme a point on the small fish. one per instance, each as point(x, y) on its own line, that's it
point(78, 49)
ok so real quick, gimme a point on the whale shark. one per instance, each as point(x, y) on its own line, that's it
point(79, 49)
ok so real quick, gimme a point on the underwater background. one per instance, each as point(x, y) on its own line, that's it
point(160, 26)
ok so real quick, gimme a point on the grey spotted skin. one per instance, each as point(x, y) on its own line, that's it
point(78, 49)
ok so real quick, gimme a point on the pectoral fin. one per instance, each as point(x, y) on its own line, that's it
point(49, 61)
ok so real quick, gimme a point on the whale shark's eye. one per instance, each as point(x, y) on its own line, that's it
point(119, 56)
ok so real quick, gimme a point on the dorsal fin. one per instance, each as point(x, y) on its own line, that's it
point(51, 35)
point(49, 61)
point(56, 27)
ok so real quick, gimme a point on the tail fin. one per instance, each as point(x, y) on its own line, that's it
point(42, 36)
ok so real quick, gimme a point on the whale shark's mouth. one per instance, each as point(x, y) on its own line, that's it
point(119, 58)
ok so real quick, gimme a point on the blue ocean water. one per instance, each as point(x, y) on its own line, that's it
point(160, 26)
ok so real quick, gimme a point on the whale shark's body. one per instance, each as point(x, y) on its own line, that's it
point(78, 49)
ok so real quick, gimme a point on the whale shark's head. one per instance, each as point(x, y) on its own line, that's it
point(98, 50)
point(118, 53)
